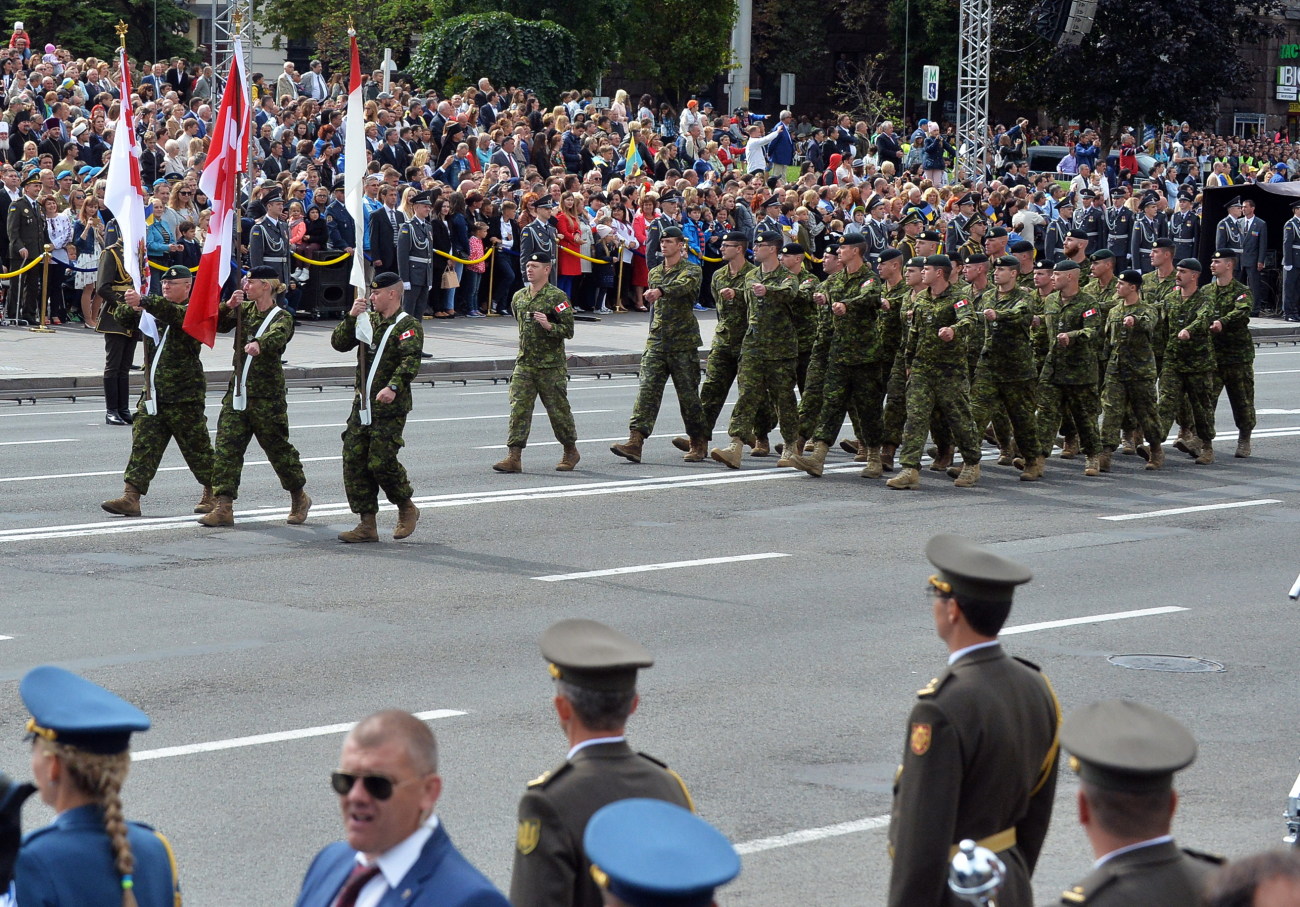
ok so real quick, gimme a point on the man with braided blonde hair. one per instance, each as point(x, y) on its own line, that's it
point(90, 854)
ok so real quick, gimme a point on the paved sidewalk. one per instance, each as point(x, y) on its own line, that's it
point(73, 357)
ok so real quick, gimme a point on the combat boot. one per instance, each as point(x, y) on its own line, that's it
point(631, 448)
point(970, 474)
point(1006, 456)
point(789, 454)
point(1071, 448)
point(299, 504)
point(863, 453)
point(1033, 470)
point(1090, 466)
point(1207, 454)
point(207, 502)
point(814, 463)
point(954, 470)
point(1128, 447)
point(1188, 443)
point(365, 530)
point(697, 452)
point(1243, 445)
point(887, 452)
point(729, 455)
point(942, 459)
point(874, 468)
point(512, 462)
point(1103, 460)
point(407, 516)
point(223, 512)
point(569, 460)
point(682, 444)
point(127, 505)
point(850, 446)
point(909, 478)
point(1156, 458)
point(761, 447)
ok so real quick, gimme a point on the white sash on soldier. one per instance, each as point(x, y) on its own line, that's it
point(151, 388)
point(240, 401)
point(365, 414)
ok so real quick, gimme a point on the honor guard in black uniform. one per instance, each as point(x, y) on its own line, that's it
point(111, 284)
point(1119, 228)
point(1091, 220)
point(669, 204)
point(1125, 755)
point(911, 225)
point(1227, 235)
point(268, 241)
point(770, 222)
point(27, 238)
point(1185, 227)
point(1291, 258)
point(976, 229)
point(876, 230)
point(1056, 230)
point(538, 237)
point(957, 227)
point(339, 221)
point(1147, 228)
point(415, 258)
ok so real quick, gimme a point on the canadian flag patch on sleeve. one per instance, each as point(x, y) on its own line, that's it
point(1241, 297)
point(960, 303)
point(406, 336)
point(1089, 313)
point(562, 307)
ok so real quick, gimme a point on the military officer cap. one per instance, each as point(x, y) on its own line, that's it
point(33, 176)
point(997, 232)
point(1235, 203)
point(1019, 247)
point(1190, 264)
point(1295, 204)
point(890, 255)
point(968, 569)
point(1225, 253)
point(875, 203)
point(769, 237)
point(1077, 234)
point(1163, 242)
point(422, 198)
point(736, 236)
point(1087, 193)
point(976, 219)
point(1150, 198)
point(1126, 746)
point(272, 196)
point(1067, 202)
point(264, 272)
point(1066, 264)
point(938, 261)
point(916, 262)
point(1101, 255)
point(1042, 264)
point(1007, 261)
point(71, 710)
point(1119, 191)
point(975, 258)
point(792, 248)
point(1132, 275)
point(853, 239)
point(545, 202)
point(537, 257)
point(652, 853)
point(588, 654)
point(178, 272)
point(673, 232)
point(671, 196)
point(930, 236)
point(772, 201)
point(967, 199)
point(384, 279)
point(911, 217)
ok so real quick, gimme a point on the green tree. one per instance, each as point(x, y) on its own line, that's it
point(379, 24)
point(930, 30)
point(86, 29)
point(782, 42)
point(602, 27)
point(540, 55)
point(679, 45)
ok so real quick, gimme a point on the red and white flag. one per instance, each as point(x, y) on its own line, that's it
point(354, 168)
point(124, 194)
point(227, 156)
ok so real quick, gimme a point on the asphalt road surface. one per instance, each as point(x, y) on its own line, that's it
point(786, 660)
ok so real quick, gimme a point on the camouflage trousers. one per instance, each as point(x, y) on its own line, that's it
point(1126, 405)
point(765, 382)
point(1080, 402)
point(853, 387)
point(1196, 391)
point(188, 424)
point(1013, 402)
point(657, 366)
point(267, 419)
point(767, 414)
point(719, 374)
point(950, 395)
point(896, 400)
point(370, 461)
point(1239, 381)
point(811, 396)
point(551, 384)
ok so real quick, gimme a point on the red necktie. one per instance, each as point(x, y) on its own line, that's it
point(356, 881)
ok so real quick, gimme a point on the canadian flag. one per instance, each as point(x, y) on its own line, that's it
point(227, 156)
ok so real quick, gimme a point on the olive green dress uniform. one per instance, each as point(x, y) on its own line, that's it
point(266, 415)
point(370, 451)
point(1130, 373)
point(1068, 383)
point(1189, 364)
point(855, 365)
point(1161, 875)
point(769, 356)
point(1234, 353)
point(175, 382)
point(724, 355)
point(1005, 378)
point(27, 230)
point(980, 756)
point(672, 350)
point(541, 367)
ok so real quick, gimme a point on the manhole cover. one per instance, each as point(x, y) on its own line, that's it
point(1178, 664)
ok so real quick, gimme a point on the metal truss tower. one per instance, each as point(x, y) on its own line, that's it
point(973, 63)
point(231, 19)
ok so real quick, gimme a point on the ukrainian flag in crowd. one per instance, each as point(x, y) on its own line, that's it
point(633, 158)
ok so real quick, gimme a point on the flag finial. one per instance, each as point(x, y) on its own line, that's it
point(236, 19)
point(352, 28)
point(121, 28)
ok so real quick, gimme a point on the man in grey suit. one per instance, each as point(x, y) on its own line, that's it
point(1254, 245)
point(504, 157)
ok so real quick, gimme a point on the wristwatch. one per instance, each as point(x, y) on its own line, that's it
point(393, 388)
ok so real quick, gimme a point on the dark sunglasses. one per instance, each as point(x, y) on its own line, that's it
point(377, 786)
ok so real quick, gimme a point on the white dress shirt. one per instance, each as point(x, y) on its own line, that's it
point(394, 864)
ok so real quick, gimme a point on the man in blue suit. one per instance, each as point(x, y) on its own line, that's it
point(396, 852)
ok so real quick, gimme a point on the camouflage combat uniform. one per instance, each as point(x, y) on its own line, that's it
point(541, 368)
point(1234, 353)
point(1130, 374)
point(1069, 379)
point(724, 356)
point(266, 415)
point(1005, 377)
point(805, 315)
point(175, 381)
point(370, 451)
point(769, 356)
point(1189, 364)
point(672, 350)
point(855, 366)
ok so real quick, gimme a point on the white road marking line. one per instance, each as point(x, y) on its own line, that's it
point(1278, 412)
point(5, 637)
point(1174, 511)
point(280, 737)
point(42, 441)
point(457, 499)
point(807, 835)
point(115, 472)
point(576, 412)
point(669, 565)
point(1094, 619)
point(1281, 371)
point(580, 441)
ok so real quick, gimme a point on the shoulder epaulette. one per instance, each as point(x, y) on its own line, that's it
point(1088, 888)
point(1202, 855)
point(650, 758)
point(934, 685)
point(545, 778)
point(1027, 663)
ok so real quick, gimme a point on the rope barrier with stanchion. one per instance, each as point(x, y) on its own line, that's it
point(322, 264)
point(465, 261)
point(25, 268)
point(41, 327)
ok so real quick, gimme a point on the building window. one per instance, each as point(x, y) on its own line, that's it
point(1248, 125)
